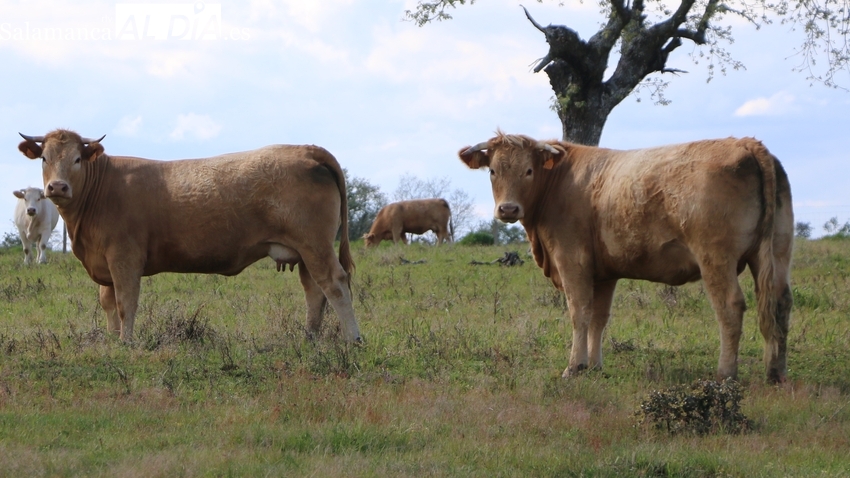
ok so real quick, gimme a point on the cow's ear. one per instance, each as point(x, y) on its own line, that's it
point(31, 149)
point(552, 154)
point(474, 159)
point(92, 150)
point(19, 193)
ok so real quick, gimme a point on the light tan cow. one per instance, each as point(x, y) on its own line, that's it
point(417, 216)
point(36, 218)
point(129, 217)
point(672, 214)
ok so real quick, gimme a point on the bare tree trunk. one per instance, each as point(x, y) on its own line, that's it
point(582, 110)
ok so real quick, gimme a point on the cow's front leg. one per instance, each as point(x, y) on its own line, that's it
point(107, 302)
point(398, 235)
point(580, 303)
point(126, 280)
point(27, 249)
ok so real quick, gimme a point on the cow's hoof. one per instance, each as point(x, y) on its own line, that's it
point(776, 378)
point(573, 371)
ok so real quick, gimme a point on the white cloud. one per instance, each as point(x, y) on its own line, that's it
point(165, 64)
point(128, 126)
point(493, 67)
point(195, 125)
point(777, 104)
point(311, 15)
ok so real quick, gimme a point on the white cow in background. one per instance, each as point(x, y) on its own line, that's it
point(36, 217)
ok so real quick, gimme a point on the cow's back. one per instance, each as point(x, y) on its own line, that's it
point(649, 213)
point(422, 215)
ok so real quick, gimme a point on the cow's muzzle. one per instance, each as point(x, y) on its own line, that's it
point(30, 211)
point(58, 189)
point(509, 212)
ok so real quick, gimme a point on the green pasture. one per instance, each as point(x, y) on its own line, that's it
point(459, 375)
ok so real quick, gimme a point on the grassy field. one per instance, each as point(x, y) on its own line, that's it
point(460, 375)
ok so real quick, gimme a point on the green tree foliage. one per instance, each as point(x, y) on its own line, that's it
point(642, 33)
point(364, 201)
point(477, 238)
point(11, 239)
point(494, 232)
point(836, 230)
point(803, 230)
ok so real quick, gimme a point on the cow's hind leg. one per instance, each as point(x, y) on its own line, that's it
point(442, 235)
point(326, 271)
point(727, 299)
point(315, 300)
point(603, 295)
point(107, 302)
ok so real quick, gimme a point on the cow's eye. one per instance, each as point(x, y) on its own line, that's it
point(528, 173)
point(492, 173)
point(77, 161)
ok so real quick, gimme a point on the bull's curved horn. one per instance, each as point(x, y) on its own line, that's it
point(547, 147)
point(477, 147)
point(35, 139)
point(87, 141)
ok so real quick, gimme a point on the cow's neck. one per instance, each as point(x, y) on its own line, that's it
point(79, 211)
point(550, 199)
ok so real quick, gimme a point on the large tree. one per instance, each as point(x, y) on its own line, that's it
point(645, 32)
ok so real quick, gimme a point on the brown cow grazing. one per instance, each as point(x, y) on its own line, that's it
point(129, 217)
point(418, 216)
point(672, 214)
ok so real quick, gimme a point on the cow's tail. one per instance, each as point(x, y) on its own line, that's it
point(345, 258)
point(766, 295)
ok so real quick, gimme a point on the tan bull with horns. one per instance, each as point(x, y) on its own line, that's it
point(130, 217)
point(671, 214)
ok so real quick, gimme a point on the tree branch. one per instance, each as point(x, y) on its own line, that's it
point(694, 36)
point(567, 46)
point(587, 60)
point(536, 25)
point(543, 62)
point(621, 10)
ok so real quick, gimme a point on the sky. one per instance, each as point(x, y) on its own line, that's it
point(385, 96)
